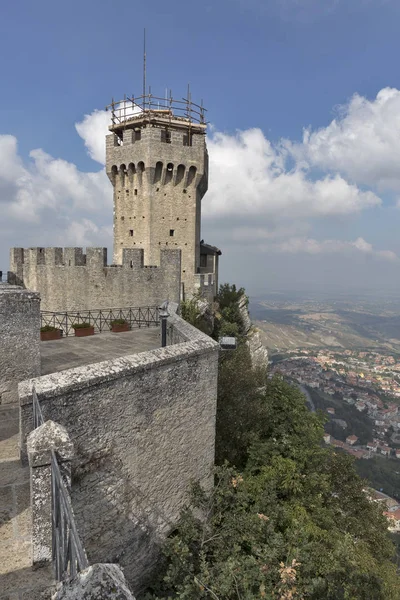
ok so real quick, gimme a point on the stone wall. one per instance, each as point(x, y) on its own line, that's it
point(143, 428)
point(68, 279)
point(158, 189)
point(19, 339)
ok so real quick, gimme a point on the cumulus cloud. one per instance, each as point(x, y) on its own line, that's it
point(263, 194)
point(93, 129)
point(250, 176)
point(361, 143)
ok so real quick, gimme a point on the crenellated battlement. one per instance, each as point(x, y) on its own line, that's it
point(71, 279)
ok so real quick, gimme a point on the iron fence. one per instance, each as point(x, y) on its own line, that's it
point(68, 553)
point(69, 556)
point(101, 319)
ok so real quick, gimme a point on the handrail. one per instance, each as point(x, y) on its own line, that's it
point(69, 556)
point(101, 319)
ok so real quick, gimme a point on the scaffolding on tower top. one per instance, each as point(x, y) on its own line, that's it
point(133, 111)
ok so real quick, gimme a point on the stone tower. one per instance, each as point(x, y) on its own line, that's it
point(157, 162)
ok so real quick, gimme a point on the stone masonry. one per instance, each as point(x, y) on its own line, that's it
point(143, 428)
point(158, 166)
point(69, 280)
point(19, 339)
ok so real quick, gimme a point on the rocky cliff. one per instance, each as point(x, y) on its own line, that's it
point(258, 352)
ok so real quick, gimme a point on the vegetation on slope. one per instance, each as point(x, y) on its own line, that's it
point(287, 519)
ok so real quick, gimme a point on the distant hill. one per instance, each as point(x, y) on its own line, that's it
point(286, 324)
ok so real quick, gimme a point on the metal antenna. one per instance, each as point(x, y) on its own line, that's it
point(144, 68)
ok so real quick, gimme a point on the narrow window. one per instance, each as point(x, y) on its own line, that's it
point(172, 232)
point(165, 136)
point(138, 134)
point(187, 139)
point(135, 192)
point(131, 232)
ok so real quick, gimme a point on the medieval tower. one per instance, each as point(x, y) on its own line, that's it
point(157, 162)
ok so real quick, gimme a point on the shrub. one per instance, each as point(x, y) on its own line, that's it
point(47, 328)
point(83, 325)
point(119, 322)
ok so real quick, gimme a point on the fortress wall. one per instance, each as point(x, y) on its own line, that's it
point(19, 339)
point(143, 427)
point(68, 279)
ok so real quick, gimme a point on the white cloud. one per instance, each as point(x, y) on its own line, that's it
point(260, 193)
point(249, 176)
point(93, 130)
point(362, 142)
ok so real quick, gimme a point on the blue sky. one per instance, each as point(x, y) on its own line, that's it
point(274, 67)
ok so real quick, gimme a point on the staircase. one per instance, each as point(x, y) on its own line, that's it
point(18, 581)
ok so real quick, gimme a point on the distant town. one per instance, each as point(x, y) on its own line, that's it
point(368, 383)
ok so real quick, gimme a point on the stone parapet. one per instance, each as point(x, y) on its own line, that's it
point(19, 339)
point(143, 428)
point(69, 279)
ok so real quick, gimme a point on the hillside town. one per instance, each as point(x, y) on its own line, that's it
point(367, 381)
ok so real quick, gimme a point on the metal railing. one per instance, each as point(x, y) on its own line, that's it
point(101, 319)
point(69, 556)
point(148, 105)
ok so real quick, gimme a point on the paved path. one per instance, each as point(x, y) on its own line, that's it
point(17, 579)
point(70, 351)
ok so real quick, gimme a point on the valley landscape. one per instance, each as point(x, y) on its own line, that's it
point(290, 321)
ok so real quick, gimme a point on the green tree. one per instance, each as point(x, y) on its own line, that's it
point(293, 523)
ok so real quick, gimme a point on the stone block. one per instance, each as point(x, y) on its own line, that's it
point(40, 444)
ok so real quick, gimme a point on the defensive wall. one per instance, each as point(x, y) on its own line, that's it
point(69, 279)
point(143, 428)
point(19, 339)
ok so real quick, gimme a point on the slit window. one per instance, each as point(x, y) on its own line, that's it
point(131, 232)
point(138, 135)
point(187, 139)
point(172, 232)
point(135, 192)
point(165, 136)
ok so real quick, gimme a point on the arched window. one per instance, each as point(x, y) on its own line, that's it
point(122, 173)
point(114, 172)
point(158, 172)
point(191, 175)
point(180, 174)
point(140, 170)
point(169, 172)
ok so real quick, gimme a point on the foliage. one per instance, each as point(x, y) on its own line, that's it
point(47, 328)
point(294, 523)
point(287, 519)
point(83, 325)
point(358, 423)
point(228, 295)
point(382, 473)
point(119, 322)
point(190, 311)
point(229, 318)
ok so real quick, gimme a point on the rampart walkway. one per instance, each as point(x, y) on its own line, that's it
point(17, 579)
point(72, 352)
